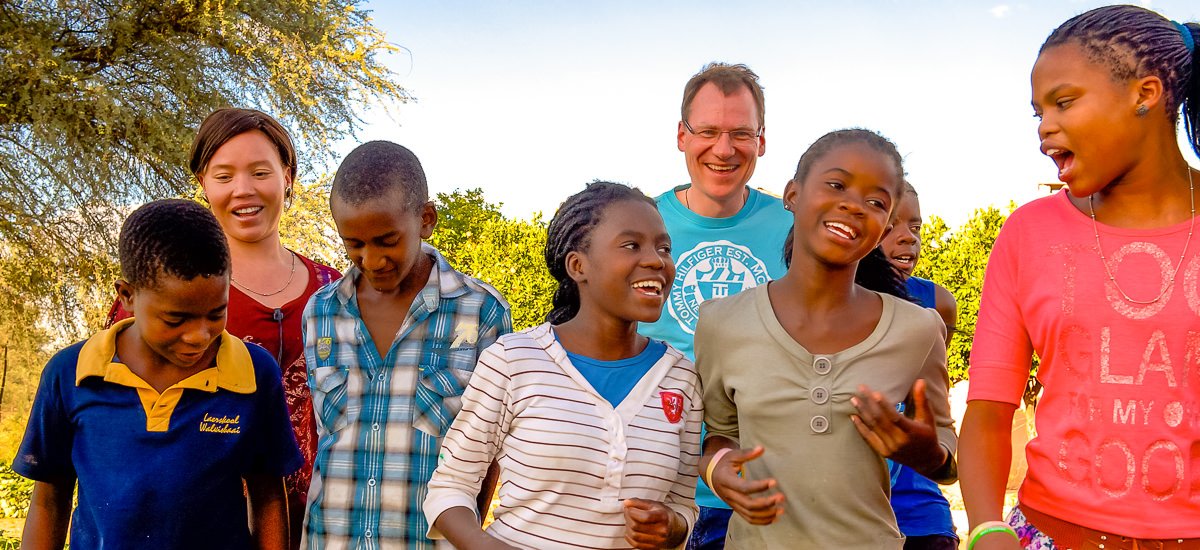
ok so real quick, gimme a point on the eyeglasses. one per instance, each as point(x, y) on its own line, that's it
point(740, 135)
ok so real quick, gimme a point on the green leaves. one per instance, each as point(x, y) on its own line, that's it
point(505, 253)
point(957, 260)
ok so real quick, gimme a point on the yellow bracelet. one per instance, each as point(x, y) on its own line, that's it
point(988, 527)
point(712, 464)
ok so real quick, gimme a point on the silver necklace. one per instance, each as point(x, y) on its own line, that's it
point(1171, 281)
point(257, 293)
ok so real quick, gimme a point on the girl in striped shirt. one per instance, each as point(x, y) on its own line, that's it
point(595, 428)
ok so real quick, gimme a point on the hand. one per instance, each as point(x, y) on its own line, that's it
point(651, 525)
point(998, 541)
point(739, 493)
point(911, 442)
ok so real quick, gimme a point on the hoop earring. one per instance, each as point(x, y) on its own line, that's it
point(1142, 110)
point(287, 198)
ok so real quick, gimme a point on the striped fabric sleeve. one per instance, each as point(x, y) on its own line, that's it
point(473, 439)
point(682, 498)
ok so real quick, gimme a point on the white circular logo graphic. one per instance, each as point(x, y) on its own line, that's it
point(711, 270)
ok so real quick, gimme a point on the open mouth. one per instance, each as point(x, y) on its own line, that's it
point(247, 211)
point(1063, 159)
point(842, 230)
point(723, 168)
point(649, 287)
point(906, 260)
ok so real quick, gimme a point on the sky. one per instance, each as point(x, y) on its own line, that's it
point(530, 100)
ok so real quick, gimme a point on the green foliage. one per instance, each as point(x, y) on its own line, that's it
point(99, 101)
point(507, 254)
point(15, 492)
point(957, 260)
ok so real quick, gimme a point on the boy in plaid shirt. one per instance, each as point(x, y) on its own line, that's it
point(390, 348)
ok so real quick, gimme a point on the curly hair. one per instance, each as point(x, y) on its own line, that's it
point(375, 169)
point(1133, 42)
point(174, 237)
point(571, 230)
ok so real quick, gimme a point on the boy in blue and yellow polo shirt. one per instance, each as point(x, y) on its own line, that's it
point(161, 417)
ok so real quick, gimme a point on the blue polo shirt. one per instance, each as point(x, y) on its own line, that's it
point(158, 470)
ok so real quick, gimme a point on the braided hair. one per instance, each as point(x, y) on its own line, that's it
point(571, 231)
point(1133, 42)
point(172, 237)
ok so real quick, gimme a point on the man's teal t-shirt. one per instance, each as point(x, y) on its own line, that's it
point(716, 257)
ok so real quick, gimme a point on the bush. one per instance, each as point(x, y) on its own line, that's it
point(14, 496)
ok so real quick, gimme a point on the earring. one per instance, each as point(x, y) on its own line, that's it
point(787, 207)
point(1142, 110)
point(287, 198)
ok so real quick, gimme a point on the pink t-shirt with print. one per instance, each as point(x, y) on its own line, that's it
point(1118, 445)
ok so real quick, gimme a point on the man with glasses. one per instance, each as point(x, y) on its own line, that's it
point(726, 237)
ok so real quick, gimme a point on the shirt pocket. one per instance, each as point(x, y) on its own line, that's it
point(444, 375)
point(330, 385)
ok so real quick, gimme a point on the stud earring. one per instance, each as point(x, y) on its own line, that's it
point(1142, 110)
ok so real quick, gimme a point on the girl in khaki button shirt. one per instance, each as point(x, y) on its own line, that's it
point(784, 370)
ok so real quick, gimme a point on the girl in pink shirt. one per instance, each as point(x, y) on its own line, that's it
point(1103, 284)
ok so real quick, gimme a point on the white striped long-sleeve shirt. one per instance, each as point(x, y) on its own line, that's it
point(567, 458)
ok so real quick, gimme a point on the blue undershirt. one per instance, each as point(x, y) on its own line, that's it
point(613, 380)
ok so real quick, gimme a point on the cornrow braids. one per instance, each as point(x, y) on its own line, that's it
point(172, 237)
point(1133, 42)
point(826, 143)
point(571, 230)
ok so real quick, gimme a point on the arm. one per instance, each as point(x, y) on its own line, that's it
point(926, 442)
point(985, 459)
point(268, 511)
point(747, 497)
point(49, 515)
point(947, 307)
point(468, 451)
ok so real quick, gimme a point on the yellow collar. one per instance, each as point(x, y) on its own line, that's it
point(234, 370)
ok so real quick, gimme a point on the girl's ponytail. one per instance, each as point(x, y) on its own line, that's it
point(1191, 90)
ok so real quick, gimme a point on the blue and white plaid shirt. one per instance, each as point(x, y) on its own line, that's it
point(380, 420)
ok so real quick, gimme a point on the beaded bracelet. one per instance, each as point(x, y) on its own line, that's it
point(713, 464)
point(988, 527)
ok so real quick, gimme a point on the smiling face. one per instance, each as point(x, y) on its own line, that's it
point(843, 206)
point(1088, 120)
point(902, 243)
point(719, 168)
point(627, 269)
point(245, 182)
point(383, 240)
point(178, 320)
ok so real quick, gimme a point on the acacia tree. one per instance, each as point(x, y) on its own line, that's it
point(99, 100)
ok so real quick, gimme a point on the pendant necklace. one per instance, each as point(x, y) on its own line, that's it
point(257, 293)
point(1170, 281)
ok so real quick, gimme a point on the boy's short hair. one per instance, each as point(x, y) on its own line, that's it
point(175, 237)
point(377, 168)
